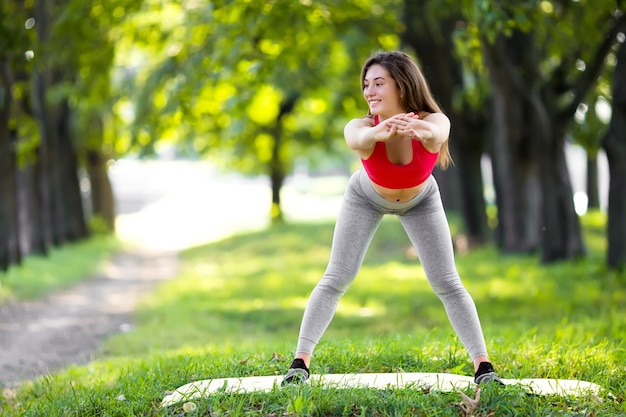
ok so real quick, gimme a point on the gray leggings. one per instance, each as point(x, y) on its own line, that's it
point(424, 220)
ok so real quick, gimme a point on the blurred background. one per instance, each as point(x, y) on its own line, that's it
point(213, 116)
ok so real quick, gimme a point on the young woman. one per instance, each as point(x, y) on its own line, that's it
point(399, 142)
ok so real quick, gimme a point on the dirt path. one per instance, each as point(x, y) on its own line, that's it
point(41, 337)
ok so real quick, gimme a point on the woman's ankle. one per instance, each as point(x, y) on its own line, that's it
point(480, 359)
point(305, 357)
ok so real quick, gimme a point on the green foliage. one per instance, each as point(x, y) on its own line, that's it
point(87, 57)
point(219, 81)
point(81, 52)
point(498, 17)
point(17, 39)
point(63, 266)
point(14, 30)
point(224, 317)
point(99, 226)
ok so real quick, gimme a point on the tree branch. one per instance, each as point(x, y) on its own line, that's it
point(588, 77)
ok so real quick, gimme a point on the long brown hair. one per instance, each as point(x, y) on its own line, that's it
point(413, 87)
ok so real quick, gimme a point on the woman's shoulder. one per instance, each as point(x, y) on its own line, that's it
point(433, 116)
point(359, 122)
point(367, 119)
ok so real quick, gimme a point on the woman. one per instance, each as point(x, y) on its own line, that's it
point(400, 141)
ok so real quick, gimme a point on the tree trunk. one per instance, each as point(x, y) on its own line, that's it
point(614, 144)
point(461, 186)
point(530, 128)
point(61, 198)
point(44, 167)
point(277, 174)
point(449, 187)
point(593, 181)
point(561, 236)
point(102, 201)
point(54, 159)
point(564, 237)
point(9, 234)
point(31, 237)
point(35, 236)
point(514, 167)
point(72, 212)
point(277, 177)
point(102, 197)
point(276, 165)
point(471, 137)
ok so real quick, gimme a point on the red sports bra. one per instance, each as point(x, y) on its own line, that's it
point(389, 175)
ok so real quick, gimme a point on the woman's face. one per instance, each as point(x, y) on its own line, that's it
point(381, 93)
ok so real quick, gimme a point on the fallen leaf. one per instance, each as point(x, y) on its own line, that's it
point(9, 394)
point(469, 405)
point(189, 407)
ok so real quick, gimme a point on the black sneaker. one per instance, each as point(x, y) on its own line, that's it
point(486, 374)
point(298, 373)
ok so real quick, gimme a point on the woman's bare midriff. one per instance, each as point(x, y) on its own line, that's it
point(401, 195)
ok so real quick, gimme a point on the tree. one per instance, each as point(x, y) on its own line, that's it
point(538, 80)
point(588, 132)
point(61, 200)
point(614, 143)
point(431, 31)
point(88, 61)
point(10, 58)
point(54, 104)
point(9, 234)
point(254, 93)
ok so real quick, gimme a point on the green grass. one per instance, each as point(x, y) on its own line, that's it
point(63, 266)
point(236, 306)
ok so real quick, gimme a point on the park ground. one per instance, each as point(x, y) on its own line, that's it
point(142, 334)
point(163, 208)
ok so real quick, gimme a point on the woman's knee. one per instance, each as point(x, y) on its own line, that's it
point(447, 285)
point(335, 284)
